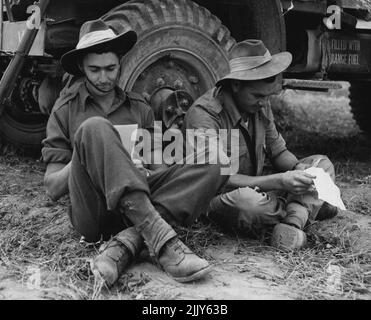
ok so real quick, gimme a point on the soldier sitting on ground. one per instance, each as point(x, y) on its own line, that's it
point(250, 200)
point(110, 195)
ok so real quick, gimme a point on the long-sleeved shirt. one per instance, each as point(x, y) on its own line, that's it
point(74, 107)
point(258, 137)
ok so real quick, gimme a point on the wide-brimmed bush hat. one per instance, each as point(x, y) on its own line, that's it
point(97, 34)
point(251, 60)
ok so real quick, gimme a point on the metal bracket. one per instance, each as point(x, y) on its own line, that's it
point(9, 10)
point(311, 85)
point(288, 9)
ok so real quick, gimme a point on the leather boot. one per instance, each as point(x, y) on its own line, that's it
point(116, 255)
point(176, 259)
point(181, 263)
point(297, 215)
point(288, 237)
point(137, 207)
point(327, 211)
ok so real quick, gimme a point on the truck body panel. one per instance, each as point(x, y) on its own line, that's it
point(12, 33)
point(329, 40)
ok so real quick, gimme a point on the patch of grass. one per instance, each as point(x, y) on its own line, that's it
point(359, 203)
point(329, 268)
point(200, 236)
point(48, 243)
point(36, 232)
point(320, 124)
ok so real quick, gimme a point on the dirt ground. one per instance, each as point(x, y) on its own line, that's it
point(41, 256)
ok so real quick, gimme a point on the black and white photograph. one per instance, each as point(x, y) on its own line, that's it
point(185, 155)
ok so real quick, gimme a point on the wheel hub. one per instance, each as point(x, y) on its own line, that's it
point(170, 106)
point(27, 92)
point(171, 81)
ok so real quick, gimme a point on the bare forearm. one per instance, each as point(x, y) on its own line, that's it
point(56, 181)
point(296, 182)
point(265, 183)
point(286, 161)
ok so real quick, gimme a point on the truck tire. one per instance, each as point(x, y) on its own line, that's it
point(21, 122)
point(180, 45)
point(260, 20)
point(22, 135)
point(360, 97)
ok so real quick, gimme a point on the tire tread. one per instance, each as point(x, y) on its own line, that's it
point(141, 15)
point(360, 96)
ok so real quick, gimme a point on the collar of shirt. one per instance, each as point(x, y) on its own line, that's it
point(228, 105)
point(120, 97)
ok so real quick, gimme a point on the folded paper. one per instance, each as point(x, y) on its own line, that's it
point(326, 188)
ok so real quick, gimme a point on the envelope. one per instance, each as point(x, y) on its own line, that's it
point(326, 188)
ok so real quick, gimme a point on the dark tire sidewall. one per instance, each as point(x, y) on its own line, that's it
point(25, 136)
point(360, 97)
point(174, 37)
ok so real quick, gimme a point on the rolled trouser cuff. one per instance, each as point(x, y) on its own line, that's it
point(245, 209)
point(131, 239)
point(223, 215)
point(147, 221)
point(295, 221)
point(156, 233)
point(297, 215)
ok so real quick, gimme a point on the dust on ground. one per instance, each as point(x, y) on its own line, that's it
point(41, 256)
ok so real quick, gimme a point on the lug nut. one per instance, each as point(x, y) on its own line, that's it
point(184, 103)
point(193, 79)
point(170, 109)
point(171, 64)
point(146, 96)
point(160, 82)
point(178, 84)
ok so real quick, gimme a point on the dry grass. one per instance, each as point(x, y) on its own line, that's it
point(200, 236)
point(47, 244)
point(36, 232)
point(366, 3)
point(322, 124)
point(312, 272)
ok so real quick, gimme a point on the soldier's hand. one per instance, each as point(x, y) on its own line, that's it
point(302, 166)
point(297, 182)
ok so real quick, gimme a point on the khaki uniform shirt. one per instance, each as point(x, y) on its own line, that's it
point(217, 110)
point(73, 108)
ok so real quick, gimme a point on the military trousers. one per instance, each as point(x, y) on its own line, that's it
point(102, 172)
point(250, 210)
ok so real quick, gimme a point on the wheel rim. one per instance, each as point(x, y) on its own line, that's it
point(171, 64)
point(182, 50)
point(24, 108)
point(173, 67)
